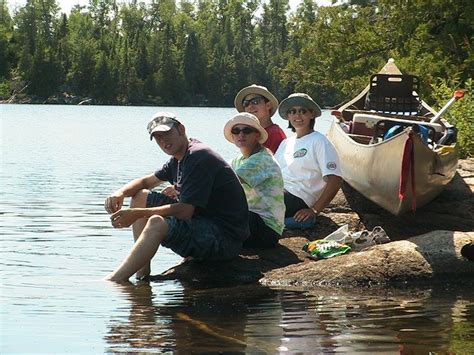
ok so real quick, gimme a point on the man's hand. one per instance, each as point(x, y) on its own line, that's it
point(114, 202)
point(170, 192)
point(304, 214)
point(125, 218)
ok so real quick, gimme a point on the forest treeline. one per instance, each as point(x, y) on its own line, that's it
point(201, 52)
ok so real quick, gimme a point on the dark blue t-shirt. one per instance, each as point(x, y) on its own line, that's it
point(205, 180)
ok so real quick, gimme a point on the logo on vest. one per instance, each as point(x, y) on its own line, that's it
point(300, 153)
point(331, 165)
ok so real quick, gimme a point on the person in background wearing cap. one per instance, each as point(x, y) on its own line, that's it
point(260, 102)
point(308, 161)
point(208, 219)
point(261, 179)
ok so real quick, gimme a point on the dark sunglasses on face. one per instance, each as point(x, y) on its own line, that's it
point(253, 101)
point(293, 111)
point(245, 130)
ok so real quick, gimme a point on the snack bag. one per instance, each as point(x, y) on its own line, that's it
point(324, 249)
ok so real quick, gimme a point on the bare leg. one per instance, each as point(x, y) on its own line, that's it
point(143, 250)
point(139, 201)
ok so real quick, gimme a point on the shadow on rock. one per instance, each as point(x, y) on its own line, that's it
point(249, 267)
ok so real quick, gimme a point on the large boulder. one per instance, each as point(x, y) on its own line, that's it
point(428, 257)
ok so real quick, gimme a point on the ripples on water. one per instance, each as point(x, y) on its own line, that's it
point(259, 320)
point(59, 163)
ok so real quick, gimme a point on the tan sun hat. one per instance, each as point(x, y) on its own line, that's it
point(298, 99)
point(247, 119)
point(257, 90)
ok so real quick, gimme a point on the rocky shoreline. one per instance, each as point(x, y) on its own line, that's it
point(63, 98)
point(425, 246)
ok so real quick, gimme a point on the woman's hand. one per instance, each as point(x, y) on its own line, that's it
point(114, 202)
point(304, 214)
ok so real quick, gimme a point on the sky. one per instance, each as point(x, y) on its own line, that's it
point(67, 5)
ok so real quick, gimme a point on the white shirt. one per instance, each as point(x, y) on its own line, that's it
point(304, 163)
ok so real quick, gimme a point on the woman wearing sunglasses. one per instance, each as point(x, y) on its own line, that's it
point(261, 180)
point(308, 161)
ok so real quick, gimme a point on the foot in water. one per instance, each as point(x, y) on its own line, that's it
point(143, 274)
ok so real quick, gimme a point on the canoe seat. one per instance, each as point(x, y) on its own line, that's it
point(393, 93)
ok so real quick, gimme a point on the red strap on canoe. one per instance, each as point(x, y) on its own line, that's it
point(408, 165)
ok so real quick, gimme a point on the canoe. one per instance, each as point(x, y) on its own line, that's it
point(393, 148)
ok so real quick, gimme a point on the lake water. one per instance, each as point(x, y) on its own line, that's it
point(58, 163)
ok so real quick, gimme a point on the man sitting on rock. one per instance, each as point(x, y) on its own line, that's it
point(207, 217)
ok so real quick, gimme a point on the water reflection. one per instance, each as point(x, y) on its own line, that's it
point(208, 320)
point(253, 319)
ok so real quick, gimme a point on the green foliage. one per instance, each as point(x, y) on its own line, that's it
point(461, 113)
point(4, 90)
point(105, 88)
point(4, 67)
point(336, 53)
point(459, 342)
point(45, 71)
point(203, 52)
point(194, 70)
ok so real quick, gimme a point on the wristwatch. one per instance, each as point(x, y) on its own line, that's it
point(316, 212)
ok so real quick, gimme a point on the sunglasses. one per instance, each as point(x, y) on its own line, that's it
point(253, 101)
point(301, 111)
point(245, 130)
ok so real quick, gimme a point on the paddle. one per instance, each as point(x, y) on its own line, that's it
point(458, 94)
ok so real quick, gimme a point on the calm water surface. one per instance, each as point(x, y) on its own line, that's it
point(58, 163)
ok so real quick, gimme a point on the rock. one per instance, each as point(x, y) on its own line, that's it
point(435, 255)
point(55, 100)
point(446, 225)
point(87, 101)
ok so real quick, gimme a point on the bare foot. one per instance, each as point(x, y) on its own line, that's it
point(112, 277)
point(143, 273)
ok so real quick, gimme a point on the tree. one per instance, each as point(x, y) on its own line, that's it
point(105, 87)
point(170, 82)
point(273, 35)
point(44, 73)
point(194, 70)
point(6, 57)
